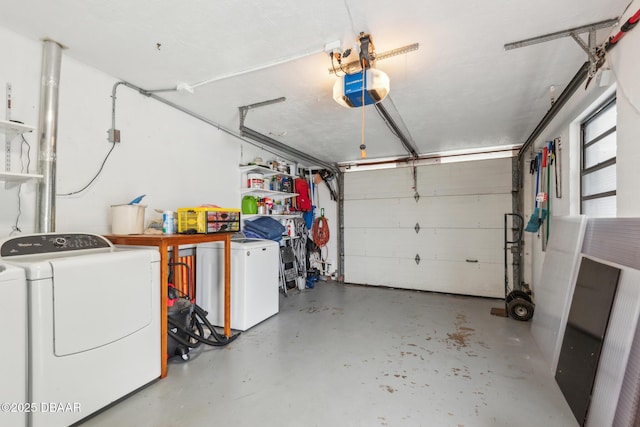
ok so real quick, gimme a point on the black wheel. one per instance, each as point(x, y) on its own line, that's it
point(518, 294)
point(520, 309)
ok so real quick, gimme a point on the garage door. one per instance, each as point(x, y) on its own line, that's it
point(449, 240)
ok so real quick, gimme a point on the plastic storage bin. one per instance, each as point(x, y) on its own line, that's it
point(205, 220)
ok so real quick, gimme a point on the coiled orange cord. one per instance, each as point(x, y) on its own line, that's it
point(320, 231)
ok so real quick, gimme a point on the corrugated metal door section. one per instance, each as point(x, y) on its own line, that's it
point(450, 240)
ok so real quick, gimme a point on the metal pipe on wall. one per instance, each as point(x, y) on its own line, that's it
point(518, 162)
point(286, 150)
point(566, 94)
point(47, 137)
point(259, 140)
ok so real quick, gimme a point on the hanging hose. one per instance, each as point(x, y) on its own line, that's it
point(198, 320)
point(320, 230)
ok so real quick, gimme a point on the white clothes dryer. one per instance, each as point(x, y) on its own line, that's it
point(13, 357)
point(93, 320)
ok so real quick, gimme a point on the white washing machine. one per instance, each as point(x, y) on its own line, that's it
point(13, 357)
point(254, 281)
point(93, 322)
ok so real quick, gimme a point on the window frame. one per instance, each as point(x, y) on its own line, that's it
point(598, 112)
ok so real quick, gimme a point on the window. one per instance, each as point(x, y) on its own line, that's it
point(598, 169)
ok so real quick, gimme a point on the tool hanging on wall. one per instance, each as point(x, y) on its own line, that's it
point(539, 213)
point(320, 230)
point(542, 195)
point(546, 202)
point(557, 147)
point(328, 178)
point(363, 148)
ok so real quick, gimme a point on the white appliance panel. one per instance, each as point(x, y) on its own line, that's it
point(13, 363)
point(93, 322)
point(92, 379)
point(105, 305)
point(254, 282)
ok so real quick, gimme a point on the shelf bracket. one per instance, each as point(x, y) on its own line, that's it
point(8, 136)
point(245, 108)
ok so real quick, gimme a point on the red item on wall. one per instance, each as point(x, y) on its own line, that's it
point(303, 199)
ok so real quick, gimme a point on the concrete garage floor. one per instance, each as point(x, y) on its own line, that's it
point(343, 355)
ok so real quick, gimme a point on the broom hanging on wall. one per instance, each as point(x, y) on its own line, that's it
point(539, 213)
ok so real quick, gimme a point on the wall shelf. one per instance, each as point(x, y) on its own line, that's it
point(274, 216)
point(258, 192)
point(11, 129)
point(263, 170)
point(11, 179)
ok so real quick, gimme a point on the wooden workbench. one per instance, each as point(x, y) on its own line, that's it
point(165, 241)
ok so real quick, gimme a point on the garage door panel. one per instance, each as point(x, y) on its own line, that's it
point(486, 211)
point(449, 245)
point(354, 244)
point(485, 177)
point(472, 238)
point(381, 214)
point(367, 213)
point(482, 279)
point(384, 242)
point(360, 270)
point(484, 245)
point(380, 184)
point(460, 240)
point(382, 271)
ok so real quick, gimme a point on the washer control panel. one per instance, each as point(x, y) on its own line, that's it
point(51, 243)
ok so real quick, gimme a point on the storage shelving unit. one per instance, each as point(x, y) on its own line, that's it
point(259, 192)
point(287, 243)
point(10, 130)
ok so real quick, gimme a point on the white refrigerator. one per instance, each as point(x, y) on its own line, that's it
point(254, 281)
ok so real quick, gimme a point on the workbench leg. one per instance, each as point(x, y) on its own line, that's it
point(164, 289)
point(227, 286)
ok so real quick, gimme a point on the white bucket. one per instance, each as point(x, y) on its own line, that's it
point(255, 180)
point(127, 219)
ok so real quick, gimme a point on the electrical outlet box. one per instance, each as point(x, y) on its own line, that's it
point(113, 135)
point(333, 46)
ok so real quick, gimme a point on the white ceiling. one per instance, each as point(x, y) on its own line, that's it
point(460, 90)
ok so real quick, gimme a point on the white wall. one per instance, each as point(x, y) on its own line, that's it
point(21, 68)
point(624, 62)
point(174, 159)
